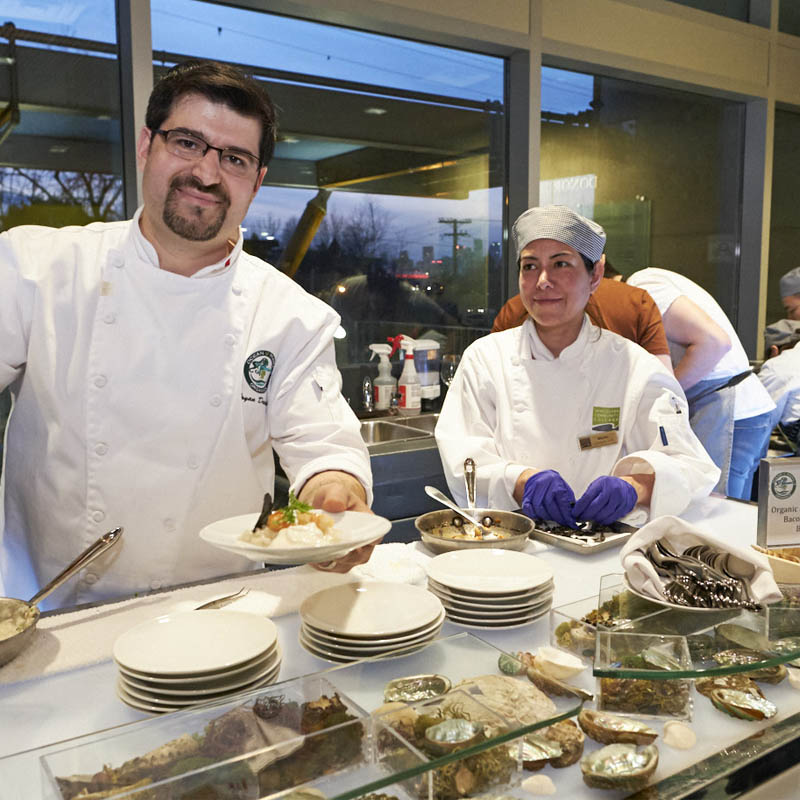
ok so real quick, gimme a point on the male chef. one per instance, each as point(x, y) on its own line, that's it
point(155, 365)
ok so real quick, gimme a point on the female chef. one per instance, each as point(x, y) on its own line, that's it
point(564, 419)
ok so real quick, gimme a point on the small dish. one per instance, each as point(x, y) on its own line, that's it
point(783, 570)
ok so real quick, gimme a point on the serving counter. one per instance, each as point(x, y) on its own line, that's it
point(67, 688)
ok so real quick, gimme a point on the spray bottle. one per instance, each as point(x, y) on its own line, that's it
point(384, 385)
point(409, 384)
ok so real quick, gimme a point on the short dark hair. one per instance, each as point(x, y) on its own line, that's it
point(220, 83)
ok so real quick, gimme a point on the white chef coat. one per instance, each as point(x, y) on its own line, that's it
point(512, 407)
point(152, 401)
point(665, 286)
point(781, 378)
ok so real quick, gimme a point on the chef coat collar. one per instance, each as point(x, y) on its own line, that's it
point(147, 253)
point(538, 350)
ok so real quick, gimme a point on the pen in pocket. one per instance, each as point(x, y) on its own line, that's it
point(663, 435)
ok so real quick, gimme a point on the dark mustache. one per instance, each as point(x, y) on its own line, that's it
point(190, 181)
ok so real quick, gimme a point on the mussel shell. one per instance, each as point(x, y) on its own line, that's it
point(730, 634)
point(537, 750)
point(453, 734)
point(554, 686)
point(743, 705)
point(415, 687)
point(620, 766)
point(610, 728)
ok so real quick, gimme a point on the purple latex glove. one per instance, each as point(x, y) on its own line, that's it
point(605, 500)
point(547, 496)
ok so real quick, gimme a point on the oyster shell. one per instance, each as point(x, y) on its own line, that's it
point(739, 682)
point(571, 739)
point(551, 685)
point(609, 728)
point(657, 657)
point(743, 705)
point(537, 750)
point(774, 674)
point(415, 687)
point(620, 766)
point(453, 734)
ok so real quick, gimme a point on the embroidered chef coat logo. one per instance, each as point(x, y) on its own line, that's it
point(258, 369)
point(605, 418)
point(783, 485)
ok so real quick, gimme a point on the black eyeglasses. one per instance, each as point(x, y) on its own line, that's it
point(239, 163)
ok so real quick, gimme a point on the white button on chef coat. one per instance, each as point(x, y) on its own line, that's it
point(101, 448)
point(110, 318)
point(90, 578)
point(169, 524)
point(100, 381)
point(230, 339)
point(215, 400)
point(98, 516)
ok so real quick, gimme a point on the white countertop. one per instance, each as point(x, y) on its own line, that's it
point(62, 705)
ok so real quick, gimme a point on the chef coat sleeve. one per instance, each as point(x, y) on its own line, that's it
point(313, 429)
point(15, 298)
point(467, 428)
point(661, 442)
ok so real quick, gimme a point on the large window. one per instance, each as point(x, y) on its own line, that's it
point(400, 142)
point(659, 169)
point(60, 153)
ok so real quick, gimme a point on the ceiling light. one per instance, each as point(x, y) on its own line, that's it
point(375, 111)
point(59, 148)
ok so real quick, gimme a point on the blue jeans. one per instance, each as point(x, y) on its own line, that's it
point(750, 442)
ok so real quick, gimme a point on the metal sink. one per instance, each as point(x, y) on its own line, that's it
point(377, 431)
point(422, 422)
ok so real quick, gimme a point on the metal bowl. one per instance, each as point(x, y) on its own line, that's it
point(519, 525)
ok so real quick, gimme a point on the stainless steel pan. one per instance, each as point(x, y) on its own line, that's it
point(26, 614)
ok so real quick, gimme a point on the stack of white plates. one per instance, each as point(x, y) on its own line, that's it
point(368, 618)
point(491, 588)
point(191, 657)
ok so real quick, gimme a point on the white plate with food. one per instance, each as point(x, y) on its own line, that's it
point(296, 534)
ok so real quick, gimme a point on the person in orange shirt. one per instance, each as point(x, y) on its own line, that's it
point(614, 305)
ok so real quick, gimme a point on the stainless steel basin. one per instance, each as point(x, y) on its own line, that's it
point(377, 431)
point(423, 422)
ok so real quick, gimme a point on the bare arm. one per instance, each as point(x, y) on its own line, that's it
point(704, 340)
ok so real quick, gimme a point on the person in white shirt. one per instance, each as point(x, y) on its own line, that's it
point(730, 410)
point(780, 374)
point(566, 420)
point(155, 365)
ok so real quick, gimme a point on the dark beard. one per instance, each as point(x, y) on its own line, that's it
point(195, 228)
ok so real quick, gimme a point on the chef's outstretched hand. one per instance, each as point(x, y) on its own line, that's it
point(338, 491)
point(605, 500)
point(547, 496)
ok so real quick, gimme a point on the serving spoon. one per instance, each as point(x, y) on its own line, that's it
point(442, 498)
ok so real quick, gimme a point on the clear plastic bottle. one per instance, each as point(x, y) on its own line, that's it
point(409, 384)
point(384, 386)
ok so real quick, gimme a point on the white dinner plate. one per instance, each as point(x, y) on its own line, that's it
point(347, 658)
point(492, 614)
point(348, 641)
point(490, 572)
point(512, 598)
point(194, 679)
point(467, 601)
point(226, 683)
point(157, 698)
point(491, 627)
point(365, 650)
point(194, 642)
point(354, 529)
point(370, 609)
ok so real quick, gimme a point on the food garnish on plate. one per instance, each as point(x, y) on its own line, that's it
point(296, 524)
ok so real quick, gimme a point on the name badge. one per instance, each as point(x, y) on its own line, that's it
point(597, 440)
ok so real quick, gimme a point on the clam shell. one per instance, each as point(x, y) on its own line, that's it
point(743, 705)
point(415, 687)
point(679, 735)
point(558, 663)
point(550, 685)
point(453, 734)
point(609, 728)
point(620, 766)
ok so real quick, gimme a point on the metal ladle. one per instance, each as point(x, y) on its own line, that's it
point(440, 497)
